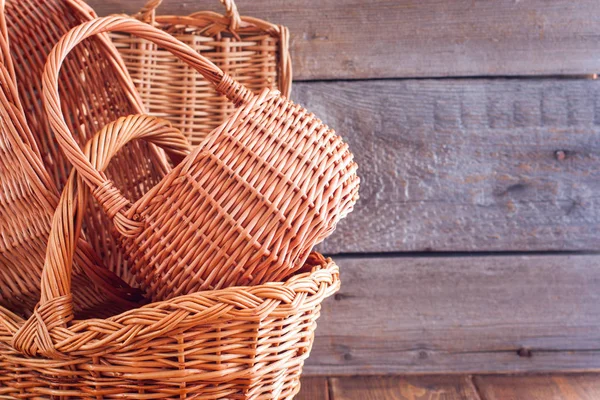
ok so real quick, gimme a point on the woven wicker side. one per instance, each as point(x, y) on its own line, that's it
point(252, 51)
point(239, 343)
point(28, 199)
point(95, 89)
point(25, 209)
point(27, 202)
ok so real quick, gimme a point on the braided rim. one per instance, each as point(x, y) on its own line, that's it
point(301, 293)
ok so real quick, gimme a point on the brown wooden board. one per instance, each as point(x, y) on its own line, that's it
point(313, 388)
point(335, 39)
point(461, 315)
point(554, 387)
point(443, 387)
point(469, 164)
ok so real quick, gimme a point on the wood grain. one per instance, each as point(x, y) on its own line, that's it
point(334, 39)
point(314, 388)
point(403, 388)
point(461, 315)
point(467, 165)
point(554, 387)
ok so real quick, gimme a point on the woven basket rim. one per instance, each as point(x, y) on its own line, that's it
point(199, 19)
point(300, 293)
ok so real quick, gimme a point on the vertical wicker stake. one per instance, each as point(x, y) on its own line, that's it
point(245, 208)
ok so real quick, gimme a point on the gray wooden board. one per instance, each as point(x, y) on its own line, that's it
point(467, 164)
point(334, 39)
point(461, 315)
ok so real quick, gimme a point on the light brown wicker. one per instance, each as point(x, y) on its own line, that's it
point(96, 90)
point(28, 198)
point(235, 343)
point(246, 207)
point(254, 52)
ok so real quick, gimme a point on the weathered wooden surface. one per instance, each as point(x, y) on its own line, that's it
point(454, 387)
point(461, 314)
point(554, 387)
point(333, 39)
point(314, 388)
point(444, 387)
point(467, 165)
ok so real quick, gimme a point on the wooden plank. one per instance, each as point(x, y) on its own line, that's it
point(334, 39)
point(467, 165)
point(313, 388)
point(445, 387)
point(461, 315)
point(553, 387)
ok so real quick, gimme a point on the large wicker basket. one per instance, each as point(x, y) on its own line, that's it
point(244, 208)
point(96, 89)
point(236, 343)
point(254, 52)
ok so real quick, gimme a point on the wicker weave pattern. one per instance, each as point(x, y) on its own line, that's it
point(96, 90)
point(251, 202)
point(252, 51)
point(238, 343)
point(28, 198)
point(235, 343)
point(29, 211)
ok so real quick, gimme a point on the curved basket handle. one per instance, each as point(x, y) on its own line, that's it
point(232, 13)
point(148, 13)
point(55, 308)
point(98, 183)
point(113, 137)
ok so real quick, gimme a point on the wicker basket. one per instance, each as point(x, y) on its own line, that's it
point(244, 208)
point(32, 168)
point(252, 51)
point(236, 343)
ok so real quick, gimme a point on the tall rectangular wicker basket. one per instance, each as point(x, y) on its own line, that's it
point(252, 51)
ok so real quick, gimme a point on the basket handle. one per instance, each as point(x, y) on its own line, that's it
point(55, 308)
point(103, 188)
point(148, 13)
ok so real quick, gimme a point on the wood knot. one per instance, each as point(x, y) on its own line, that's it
point(524, 352)
point(560, 155)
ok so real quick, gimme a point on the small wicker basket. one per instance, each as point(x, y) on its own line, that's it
point(252, 51)
point(244, 208)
